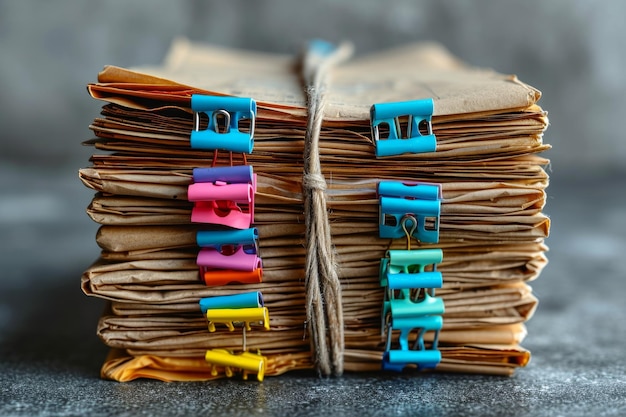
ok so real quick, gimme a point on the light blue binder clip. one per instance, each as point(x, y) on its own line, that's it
point(247, 238)
point(414, 190)
point(252, 299)
point(224, 131)
point(398, 359)
point(409, 208)
point(392, 138)
point(396, 281)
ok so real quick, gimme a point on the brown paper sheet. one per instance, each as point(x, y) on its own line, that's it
point(274, 81)
point(484, 359)
point(489, 132)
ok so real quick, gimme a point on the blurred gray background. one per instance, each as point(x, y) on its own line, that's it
point(571, 50)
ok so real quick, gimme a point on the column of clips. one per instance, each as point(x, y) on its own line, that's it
point(410, 276)
point(411, 210)
point(223, 198)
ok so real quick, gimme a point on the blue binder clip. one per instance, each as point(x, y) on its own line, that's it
point(233, 238)
point(411, 209)
point(253, 299)
point(238, 174)
point(415, 137)
point(397, 360)
point(243, 308)
point(224, 130)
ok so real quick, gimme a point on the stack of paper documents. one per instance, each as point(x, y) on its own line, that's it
point(488, 130)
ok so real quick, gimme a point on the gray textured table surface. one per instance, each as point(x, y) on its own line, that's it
point(50, 356)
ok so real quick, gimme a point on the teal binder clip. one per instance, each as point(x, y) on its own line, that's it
point(400, 304)
point(407, 269)
point(225, 130)
point(248, 238)
point(403, 272)
point(416, 136)
point(412, 301)
point(253, 299)
point(411, 209)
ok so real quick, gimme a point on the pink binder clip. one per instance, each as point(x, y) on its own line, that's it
point(238, 260)
point(223, 203)
point(220, 191)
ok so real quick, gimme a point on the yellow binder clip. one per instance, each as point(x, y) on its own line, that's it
point(229, 316)
point(248, 362)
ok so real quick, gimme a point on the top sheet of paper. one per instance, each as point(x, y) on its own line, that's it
point(407, 73)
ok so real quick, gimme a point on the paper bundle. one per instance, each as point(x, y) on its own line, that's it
point(489, 131)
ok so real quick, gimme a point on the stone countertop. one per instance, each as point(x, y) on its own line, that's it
point(50, 356)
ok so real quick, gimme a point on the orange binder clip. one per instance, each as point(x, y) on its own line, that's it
point(217, 277)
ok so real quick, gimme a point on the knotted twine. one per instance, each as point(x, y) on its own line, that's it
point(324, 309)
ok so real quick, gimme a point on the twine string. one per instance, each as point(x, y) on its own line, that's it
point(323, 291)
